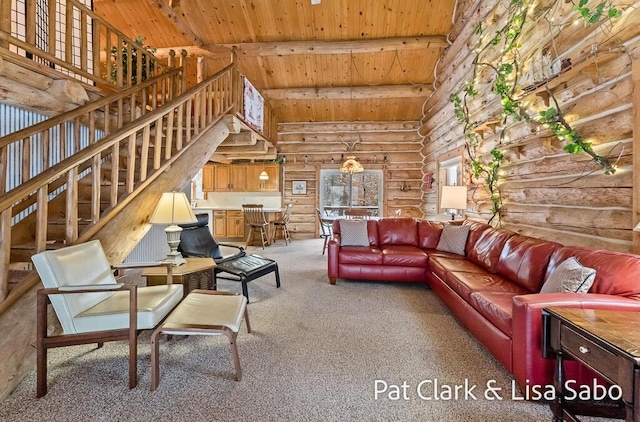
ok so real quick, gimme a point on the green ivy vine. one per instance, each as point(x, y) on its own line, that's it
point(506, 72)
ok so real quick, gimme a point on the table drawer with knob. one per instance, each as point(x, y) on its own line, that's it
point(589, 352)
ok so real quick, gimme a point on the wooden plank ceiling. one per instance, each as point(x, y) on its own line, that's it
point(340, 60)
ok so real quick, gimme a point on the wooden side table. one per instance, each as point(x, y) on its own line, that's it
point(607, 342)
point(197, 273)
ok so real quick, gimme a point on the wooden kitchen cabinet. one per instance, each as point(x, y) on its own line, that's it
point(230, 178)
point(254, 184)
point(208, 177)
point(235, 224)
point(219, 224)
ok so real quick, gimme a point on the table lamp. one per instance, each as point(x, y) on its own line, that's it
point(173, 208)
point(453, 198)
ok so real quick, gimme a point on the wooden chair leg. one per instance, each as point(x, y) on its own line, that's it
point(41, 348)
point(246, 319)
point(155, 359)
point(234, 352)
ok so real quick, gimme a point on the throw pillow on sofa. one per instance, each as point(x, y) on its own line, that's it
point(453, 239)
point(354, 233)
point(570, 276)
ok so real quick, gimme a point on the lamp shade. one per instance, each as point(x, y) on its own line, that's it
point(173, 208)
point(454, 197)
point(351, 165)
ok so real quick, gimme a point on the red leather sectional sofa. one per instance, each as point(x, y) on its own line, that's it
point(493, 289)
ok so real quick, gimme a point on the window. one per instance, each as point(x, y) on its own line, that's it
point(339, 191)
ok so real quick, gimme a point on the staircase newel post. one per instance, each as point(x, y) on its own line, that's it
point(236, 91)
point(183, 65)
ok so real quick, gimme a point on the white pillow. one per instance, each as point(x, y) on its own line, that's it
point(453, 239)
point(354, 233)
point(569, 276)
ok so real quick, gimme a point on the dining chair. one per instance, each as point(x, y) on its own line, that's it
point(257, 222)
point(281, 224)
point(326, 229)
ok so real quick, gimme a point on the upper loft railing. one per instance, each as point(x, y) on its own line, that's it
point(70, 38)
point(147, 146)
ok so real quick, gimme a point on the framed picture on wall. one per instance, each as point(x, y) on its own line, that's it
point(299, 187)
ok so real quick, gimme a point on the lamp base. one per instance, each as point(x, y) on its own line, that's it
point(175, 259)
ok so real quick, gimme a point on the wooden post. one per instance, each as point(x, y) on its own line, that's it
point(183, 65)
point(5, 20)
point(5, 251)
point(635, 77)
point(200, 70)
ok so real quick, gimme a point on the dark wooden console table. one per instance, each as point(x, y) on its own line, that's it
point(607, 342)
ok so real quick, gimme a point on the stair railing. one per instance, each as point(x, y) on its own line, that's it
point(93, 51)
point(177, 124)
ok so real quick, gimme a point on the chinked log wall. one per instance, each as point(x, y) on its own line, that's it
point(322, 142)
point(545, 191)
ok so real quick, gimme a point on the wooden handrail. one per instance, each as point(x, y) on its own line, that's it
point(196, 111)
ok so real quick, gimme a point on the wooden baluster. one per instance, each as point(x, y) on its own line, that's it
point(196, 111)
point(127, 79)
point(5, 251)
point(216, 94)
point(4, 163)
point(76, 134)
point(157, 144)
point(145, 99)
point(179, 126)
point(131, 163)
point(119, 65)
point(144, 153)
point(96, 172)
point(45, 149)
point(188, 122)
point(96, 28)
point(107, 119)
point(30, 23)
point(169, 136)
point(171, 80)
point(5, 20)
point(132, 107)
point(108, 48)
point(115, 168)
point(84, 42)
point(64, 150)
point(154, 96)
point(68, 34)
point(209, 103)
point(120, 113)
point(26, 159)
point(139, 60)
point(92, 127)
point(71, 211)
point(52, 35)
point(42, 218)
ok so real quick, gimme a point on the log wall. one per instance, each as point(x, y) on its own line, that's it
point(547, 192)
point(324, 144)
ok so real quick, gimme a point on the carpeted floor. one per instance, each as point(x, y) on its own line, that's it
point(317, 353)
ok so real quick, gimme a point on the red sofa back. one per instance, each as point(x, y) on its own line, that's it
point(617, 273)
point(485, 244)
point(524, 261)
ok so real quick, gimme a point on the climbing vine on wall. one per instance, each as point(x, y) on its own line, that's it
point(506, 68)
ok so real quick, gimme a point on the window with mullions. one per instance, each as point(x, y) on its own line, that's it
point(340, 191)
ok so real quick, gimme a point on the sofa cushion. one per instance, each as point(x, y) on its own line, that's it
point(354, 233)
point(617, 273)
point(360, 255)
point(497, 307)
point(429, 234)
point(453, 239)
point(487, 248)
point(404, 255)
point(398, 231)
point(441, 265)
point(372, 230)
point(465, 283)
point(524, 260)
point(570, 276)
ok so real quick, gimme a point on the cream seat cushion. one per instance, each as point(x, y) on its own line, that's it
point(207, 310)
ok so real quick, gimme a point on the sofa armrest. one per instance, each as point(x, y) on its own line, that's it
point(333, 249)
point(529, 367)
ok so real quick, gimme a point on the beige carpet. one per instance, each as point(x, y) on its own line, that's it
point(315, 355)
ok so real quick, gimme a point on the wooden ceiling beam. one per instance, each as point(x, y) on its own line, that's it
point(286, 48)
point(338, 47)
point(345, 93)
point(170, 11)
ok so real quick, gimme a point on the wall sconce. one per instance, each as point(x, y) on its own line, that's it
point(404, 187)
point(428, 180)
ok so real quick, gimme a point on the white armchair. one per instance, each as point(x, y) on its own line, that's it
point(92, 307)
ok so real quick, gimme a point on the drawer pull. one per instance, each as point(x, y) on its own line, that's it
point(584, 350)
